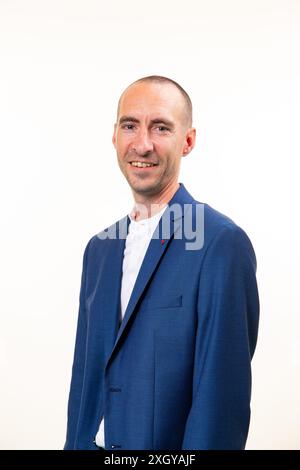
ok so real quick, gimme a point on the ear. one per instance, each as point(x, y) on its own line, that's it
point(114, 135)
point(190, 140)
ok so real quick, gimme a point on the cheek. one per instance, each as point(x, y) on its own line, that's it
point(122, 148)
point(163, 148)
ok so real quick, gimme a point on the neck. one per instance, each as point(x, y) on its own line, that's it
point(148, 206)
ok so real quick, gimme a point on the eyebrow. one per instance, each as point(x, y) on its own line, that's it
point(153, 121)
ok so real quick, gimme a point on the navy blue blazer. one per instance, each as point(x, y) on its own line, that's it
point(176, 374)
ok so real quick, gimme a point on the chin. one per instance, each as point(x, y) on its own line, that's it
point(148, 189)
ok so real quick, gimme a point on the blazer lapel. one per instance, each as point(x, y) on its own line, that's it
point(155, 251)
point(111, 283)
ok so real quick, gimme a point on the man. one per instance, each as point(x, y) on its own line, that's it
point(166, 330)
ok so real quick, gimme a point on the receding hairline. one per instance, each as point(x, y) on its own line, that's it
point(165, 80)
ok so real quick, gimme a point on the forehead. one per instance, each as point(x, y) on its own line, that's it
point(147, 98)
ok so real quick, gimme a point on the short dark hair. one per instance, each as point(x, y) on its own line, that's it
point(161, 79)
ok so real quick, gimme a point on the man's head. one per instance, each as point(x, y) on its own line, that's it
point(154, 126)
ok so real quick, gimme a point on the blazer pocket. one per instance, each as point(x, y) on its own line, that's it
point(168, 301)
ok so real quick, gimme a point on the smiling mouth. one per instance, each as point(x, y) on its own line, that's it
point(142, 164)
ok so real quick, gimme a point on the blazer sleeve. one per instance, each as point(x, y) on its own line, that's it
point(228, 314)
point(78, 361)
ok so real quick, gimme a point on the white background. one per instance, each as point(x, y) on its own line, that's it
point(63, 65)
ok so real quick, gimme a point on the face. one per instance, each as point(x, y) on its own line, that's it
point(151, 136)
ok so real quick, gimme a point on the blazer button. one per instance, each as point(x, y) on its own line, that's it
point(116, 446)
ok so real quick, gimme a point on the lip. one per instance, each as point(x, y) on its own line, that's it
point(143, 161)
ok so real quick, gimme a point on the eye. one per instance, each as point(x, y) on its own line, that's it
point(127, 127)
point(163, 128)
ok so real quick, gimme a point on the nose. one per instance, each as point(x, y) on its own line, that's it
point(142, 144)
